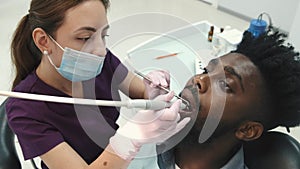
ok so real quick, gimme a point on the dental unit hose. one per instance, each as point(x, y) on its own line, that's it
point(136, 103)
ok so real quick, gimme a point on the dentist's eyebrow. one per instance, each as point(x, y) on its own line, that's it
point(88, 28)
point(231, 71)
point(92, 29)
point(106, 27)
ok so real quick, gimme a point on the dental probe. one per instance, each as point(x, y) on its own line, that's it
point(161, 87)
point(136, 103)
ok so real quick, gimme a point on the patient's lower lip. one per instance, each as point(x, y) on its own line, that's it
point(184, 113)
point(188, 109)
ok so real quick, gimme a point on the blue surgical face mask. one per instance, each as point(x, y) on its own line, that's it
point(77, 65)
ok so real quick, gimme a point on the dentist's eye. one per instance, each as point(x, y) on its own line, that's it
point(84, 38)
point(104, 37)
point(224, 86)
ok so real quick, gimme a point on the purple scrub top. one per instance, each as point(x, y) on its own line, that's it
point(40, 126)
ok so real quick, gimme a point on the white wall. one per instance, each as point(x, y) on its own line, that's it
point(11, 12)
point(294, 32)
point(282, 12)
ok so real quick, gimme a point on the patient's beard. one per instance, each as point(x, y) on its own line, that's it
point(192, 138)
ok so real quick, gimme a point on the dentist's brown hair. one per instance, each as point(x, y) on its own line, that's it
point(48, 15)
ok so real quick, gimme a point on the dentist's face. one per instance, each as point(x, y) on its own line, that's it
point(80, 24)
point(232, 87)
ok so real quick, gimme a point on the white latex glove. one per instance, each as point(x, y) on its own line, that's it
point(148, 126)
point(158, 77)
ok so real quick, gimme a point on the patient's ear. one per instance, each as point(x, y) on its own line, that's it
point(249, 130)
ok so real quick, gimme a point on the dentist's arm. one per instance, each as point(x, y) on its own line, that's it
point(147, 126)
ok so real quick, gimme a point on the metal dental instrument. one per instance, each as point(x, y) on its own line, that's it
point(137, 103)
point(161, 87)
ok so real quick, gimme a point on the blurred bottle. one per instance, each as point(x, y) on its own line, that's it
point(218, 43)
point(210, 34)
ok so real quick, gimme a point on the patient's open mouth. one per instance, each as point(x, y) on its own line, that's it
point(187, 104)
point(188, 108)
point(190, 94)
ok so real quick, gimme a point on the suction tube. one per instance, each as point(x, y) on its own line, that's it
point(137, 103)
point(151, 104)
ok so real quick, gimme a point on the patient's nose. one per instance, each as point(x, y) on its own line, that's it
point(202, 81)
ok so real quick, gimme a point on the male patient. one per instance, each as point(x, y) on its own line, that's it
point(256, 88)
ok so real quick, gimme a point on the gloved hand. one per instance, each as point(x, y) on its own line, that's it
point(158, 77)
point(148, 126)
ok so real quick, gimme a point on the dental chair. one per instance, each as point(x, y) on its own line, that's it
point(274, 150)
point(8, 155)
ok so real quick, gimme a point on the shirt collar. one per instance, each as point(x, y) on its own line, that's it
point(237, 161)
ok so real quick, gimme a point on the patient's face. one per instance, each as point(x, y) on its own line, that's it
point(228, 92)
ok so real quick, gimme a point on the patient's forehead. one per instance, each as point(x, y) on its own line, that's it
point(241, 63)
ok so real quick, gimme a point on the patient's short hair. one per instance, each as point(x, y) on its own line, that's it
point(279, 65)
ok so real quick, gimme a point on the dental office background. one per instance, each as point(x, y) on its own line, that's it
point(234, 13)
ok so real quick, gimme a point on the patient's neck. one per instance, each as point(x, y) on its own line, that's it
point(209, 155)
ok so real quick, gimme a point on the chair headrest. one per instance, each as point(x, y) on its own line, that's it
point(274, 150)
point(9, 157)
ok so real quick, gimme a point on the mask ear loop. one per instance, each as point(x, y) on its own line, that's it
point(56, 42)
point(45, 52)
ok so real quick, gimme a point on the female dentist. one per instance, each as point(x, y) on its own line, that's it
point(59, 49)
